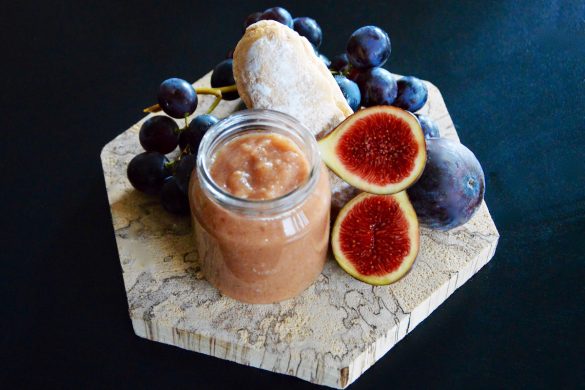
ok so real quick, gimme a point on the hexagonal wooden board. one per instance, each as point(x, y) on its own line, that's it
point(330, 334)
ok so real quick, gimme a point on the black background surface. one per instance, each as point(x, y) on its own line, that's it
point(74, 75)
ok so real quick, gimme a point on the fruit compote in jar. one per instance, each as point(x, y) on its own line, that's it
point(260, 201)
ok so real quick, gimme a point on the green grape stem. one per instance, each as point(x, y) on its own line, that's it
point(215, 103)
point(171, 165)
point(346, 73)
point(217, 92)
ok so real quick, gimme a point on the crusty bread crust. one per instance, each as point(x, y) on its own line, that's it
point(275, 68)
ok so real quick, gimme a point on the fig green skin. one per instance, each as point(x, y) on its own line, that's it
point(451, 187)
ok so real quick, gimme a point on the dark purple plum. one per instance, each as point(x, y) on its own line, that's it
point(251, 19)
point(223, 76)
point(310, 29)
point(412, 94)
point(368, 47)
point(377, 87)
point(278, 14)
point(350, 91)
point(194, 133)
point(429, 127)
point(451, 187)
point(340, 63)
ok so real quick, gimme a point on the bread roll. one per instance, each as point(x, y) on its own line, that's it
point(275, 68)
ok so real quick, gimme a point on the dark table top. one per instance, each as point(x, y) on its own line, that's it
point(76, 74)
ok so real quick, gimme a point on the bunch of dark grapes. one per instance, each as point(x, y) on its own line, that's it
point(151, 171)
point(304, 26)
point(358, 72)
point(362, 79)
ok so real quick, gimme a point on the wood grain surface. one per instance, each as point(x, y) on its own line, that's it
point(330, 334)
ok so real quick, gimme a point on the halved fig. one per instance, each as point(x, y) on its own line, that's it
point(379, 149)
point(375, 238)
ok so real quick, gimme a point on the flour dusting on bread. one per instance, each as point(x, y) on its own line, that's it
point(275, 68)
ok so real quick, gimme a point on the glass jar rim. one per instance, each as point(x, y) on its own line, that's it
point(254, 120)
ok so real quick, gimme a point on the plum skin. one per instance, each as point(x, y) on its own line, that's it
point(451, 187)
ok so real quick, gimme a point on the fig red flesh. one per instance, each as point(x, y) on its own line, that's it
point(374, 236)
point(379, 148)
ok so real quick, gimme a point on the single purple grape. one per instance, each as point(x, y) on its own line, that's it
point(184, 169)
point(350, 91)
point(377, 86)
point(223, 76)
point(159, 134)
point(340, 63)
point(251, 19)
point(172, 198)
point(177, 98)
point(412, 94)
point(429, 127)
point(310, 29)
point(368, 47)
point(147, 172)
point(278, 14)
point(194, 133)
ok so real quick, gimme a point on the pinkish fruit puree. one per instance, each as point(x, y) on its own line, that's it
point(262, 258)
point(260, 166)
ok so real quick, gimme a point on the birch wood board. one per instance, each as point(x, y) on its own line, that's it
point(330, 334)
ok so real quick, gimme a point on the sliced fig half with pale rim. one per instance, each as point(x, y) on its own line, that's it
point(379, 149)
point(376, 238)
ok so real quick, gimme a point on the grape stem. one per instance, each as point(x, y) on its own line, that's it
point(217, 92)
point(215, 103)
point(171, 164)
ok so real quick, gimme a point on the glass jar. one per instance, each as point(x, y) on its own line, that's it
point(260, 251)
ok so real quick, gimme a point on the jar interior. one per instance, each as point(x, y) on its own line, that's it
point(257, 122)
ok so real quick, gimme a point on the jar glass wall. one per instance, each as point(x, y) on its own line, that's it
point(260, 251)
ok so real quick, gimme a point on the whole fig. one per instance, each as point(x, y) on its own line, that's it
point(451, 187)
